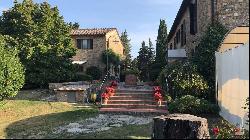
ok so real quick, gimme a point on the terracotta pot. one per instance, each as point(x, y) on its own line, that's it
point(105, 101)
point(159, 102)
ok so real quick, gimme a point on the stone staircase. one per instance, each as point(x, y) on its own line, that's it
point(133, 101)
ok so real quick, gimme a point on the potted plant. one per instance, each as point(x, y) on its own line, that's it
point(131, 77)
point(110, 91)
point(105, 97)
point(157, 95)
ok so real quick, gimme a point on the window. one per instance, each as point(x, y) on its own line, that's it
point(84, 44)
point(178, 37)
point(171, 46)
point(175, 42)
point(193, 17)
point(183, 34)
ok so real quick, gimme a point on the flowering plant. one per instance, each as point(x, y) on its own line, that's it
point(105, 96)
point(158, 96)
point(110, 90)
point(157, 89)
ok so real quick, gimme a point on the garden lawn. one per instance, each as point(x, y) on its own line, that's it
point(26, 116)
point(37, 119)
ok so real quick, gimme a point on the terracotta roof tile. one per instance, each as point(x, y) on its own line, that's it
point(94, 31)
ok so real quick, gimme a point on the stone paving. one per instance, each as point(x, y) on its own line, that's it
point(102, 122)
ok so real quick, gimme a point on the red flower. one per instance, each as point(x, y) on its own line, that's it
point(110, 89)
point(157, 96)
point(157, 89)
point(216, 131)
point(105, 95)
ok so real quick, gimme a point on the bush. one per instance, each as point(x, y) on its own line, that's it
point(204, 56)
point(82, 77)
point(192, 105)
point(95, 72)
point(11, 70)
point(155, 71)
point(183, 79)
point(132, 71)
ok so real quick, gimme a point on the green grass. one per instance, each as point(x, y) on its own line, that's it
point(26, 116)
point(31, 119)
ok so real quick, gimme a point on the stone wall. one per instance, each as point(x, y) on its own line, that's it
point(204, 17)
point(114, 42)
point(233, 13)
point(230, 13)
point(93, 56)
point(62, 96)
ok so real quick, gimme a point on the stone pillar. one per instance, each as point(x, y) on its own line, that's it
point(131, 79)
point(180, 126)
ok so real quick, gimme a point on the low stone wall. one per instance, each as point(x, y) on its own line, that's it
point(180, 126)
point(130, 79)
point(62, 96)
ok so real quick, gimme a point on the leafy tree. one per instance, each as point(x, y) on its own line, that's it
point(161, 51)
point(11, 70)
point(204, 56)
point(74, 25)
point(113, 58)
point(43, 40)
point(161, 44)
point(94, 72)
point(144, 61)
point(127, 49)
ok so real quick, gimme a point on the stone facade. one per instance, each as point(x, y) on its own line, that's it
point(230, 13)
point(62, 96)
point(101, 41)
point(233, 13)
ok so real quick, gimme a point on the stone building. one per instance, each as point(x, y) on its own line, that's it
point(91, 43)
point(193, 18)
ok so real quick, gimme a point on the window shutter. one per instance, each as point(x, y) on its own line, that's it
point(79, 43)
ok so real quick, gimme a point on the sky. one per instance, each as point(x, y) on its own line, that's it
point(140, 18)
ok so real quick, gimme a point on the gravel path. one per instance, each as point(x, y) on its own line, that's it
point(102, 122)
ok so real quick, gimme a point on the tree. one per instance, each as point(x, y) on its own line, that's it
point(74, 25)
point(204, 56)
point(11, 70)
point(43, 40)
point(161, 44)
point(144, 61)
point(127, 49)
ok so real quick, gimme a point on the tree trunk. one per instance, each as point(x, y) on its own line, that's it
point(180, 126)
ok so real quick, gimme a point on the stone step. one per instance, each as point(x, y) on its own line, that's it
point(134, 111)
point(135, 94)
point(131, 97)
point(134, 106)
point(151, 102)
point(133, 91)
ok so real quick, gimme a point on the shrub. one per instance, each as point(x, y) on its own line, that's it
point(204, 56)
point(132, 71)
point(95, 72)
point(82, 77)
point(183, 79)
point(225, 130)
point(155, 70)
point(192, 105)
point(11, 70)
